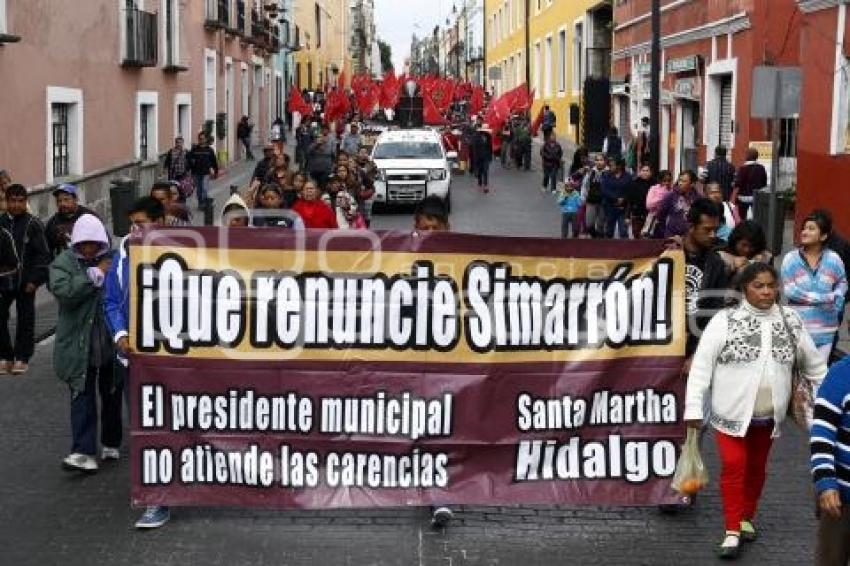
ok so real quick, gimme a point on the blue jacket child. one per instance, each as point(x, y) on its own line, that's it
point(570, 201)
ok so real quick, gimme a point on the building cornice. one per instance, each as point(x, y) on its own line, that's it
point(731, 25)
point(642, 18)
point(809, 6)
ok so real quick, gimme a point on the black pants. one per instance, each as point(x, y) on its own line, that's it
point(247, 143)
point(482, 173)
point(522, 156)
point(84, 412)
point(24, 326)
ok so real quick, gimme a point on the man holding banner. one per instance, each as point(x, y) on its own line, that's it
point(146, 213)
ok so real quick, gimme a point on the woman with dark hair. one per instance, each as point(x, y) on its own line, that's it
point(581, 162)
point(747, 244)
point(743, 367)
point(815, 281)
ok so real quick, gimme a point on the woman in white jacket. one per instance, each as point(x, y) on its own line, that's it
point(744, 363)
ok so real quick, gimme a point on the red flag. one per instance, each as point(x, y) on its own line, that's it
point(476, 102)
point(337, 106)
point(438, 89)
point(430, 114)
point(296, 103)
point(390, 91)
point(340, 81)
point(522, 99)
point(535, 126)
point(498, 113)
point(366, 97)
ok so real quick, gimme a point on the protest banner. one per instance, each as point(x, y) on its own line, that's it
point(348, 369)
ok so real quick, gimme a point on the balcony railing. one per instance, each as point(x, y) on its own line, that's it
point(256, 27)
point(140, 39)
point(216, 14)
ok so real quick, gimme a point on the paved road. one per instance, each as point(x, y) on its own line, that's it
point(50, 517)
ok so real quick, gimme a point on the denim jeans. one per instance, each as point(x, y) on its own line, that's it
point(84, 412)
point(200, 188)
point(550, 178)
point(616, 218)
point(569, 221)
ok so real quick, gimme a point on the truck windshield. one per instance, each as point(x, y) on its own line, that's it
point(408, 150)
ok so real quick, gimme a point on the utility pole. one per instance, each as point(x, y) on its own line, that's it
point(655, 89)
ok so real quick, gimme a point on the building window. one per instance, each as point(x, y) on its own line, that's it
point(843, 125)
point(183, 116)
point(537, 63)
point(146, 125)
point(3, 25)
point(318, 26)
point(562, 60)
point(59, 127)
point(64, 123)
point(171, 32)
point(547, 67)
point(578, 52)
point(145, 112)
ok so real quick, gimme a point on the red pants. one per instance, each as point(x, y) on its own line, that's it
point(743, 462)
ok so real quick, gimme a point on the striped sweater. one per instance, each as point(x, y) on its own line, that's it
point(816, 294)
point(830, 435)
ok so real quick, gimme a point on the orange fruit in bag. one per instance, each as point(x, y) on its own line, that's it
point(691, 486)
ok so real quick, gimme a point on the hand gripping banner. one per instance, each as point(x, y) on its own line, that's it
point(356, 369)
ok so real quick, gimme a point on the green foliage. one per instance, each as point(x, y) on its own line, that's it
point(386, 56)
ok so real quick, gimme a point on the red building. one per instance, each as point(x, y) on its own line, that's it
point(824, 138)
point(709, 49)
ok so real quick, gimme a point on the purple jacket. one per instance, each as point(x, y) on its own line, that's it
point(672, 214)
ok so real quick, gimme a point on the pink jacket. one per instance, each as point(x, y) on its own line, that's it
point(655, 195)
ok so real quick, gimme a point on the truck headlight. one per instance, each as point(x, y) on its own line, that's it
point(437, 175)
point(382, 175)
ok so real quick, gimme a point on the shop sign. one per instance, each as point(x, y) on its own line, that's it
point(683, 64)
point(688, 88)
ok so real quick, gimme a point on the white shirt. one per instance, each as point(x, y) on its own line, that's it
point(745, 350)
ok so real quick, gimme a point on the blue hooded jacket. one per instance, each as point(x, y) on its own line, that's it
point(116, 301)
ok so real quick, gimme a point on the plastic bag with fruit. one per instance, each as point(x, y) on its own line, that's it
point(691, 474)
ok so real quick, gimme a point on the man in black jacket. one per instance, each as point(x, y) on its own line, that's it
point(202, 162)
point(720, 171)
point(60, 225)
point(33, 257)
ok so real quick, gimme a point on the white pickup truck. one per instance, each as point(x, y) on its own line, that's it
point(412, 165)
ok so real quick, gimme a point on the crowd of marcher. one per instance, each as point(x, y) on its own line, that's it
point(743, 357)
point(746, 354)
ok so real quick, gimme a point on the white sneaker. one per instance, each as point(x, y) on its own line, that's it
point(110, 453)
point(80, 463)
point(441, 516)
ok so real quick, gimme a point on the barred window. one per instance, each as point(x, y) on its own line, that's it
point(59, 125)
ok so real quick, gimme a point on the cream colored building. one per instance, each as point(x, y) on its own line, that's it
point(555, 48)
point(324, 36)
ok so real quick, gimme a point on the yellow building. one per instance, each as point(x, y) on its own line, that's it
point(565, 42)
point(323, 30)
